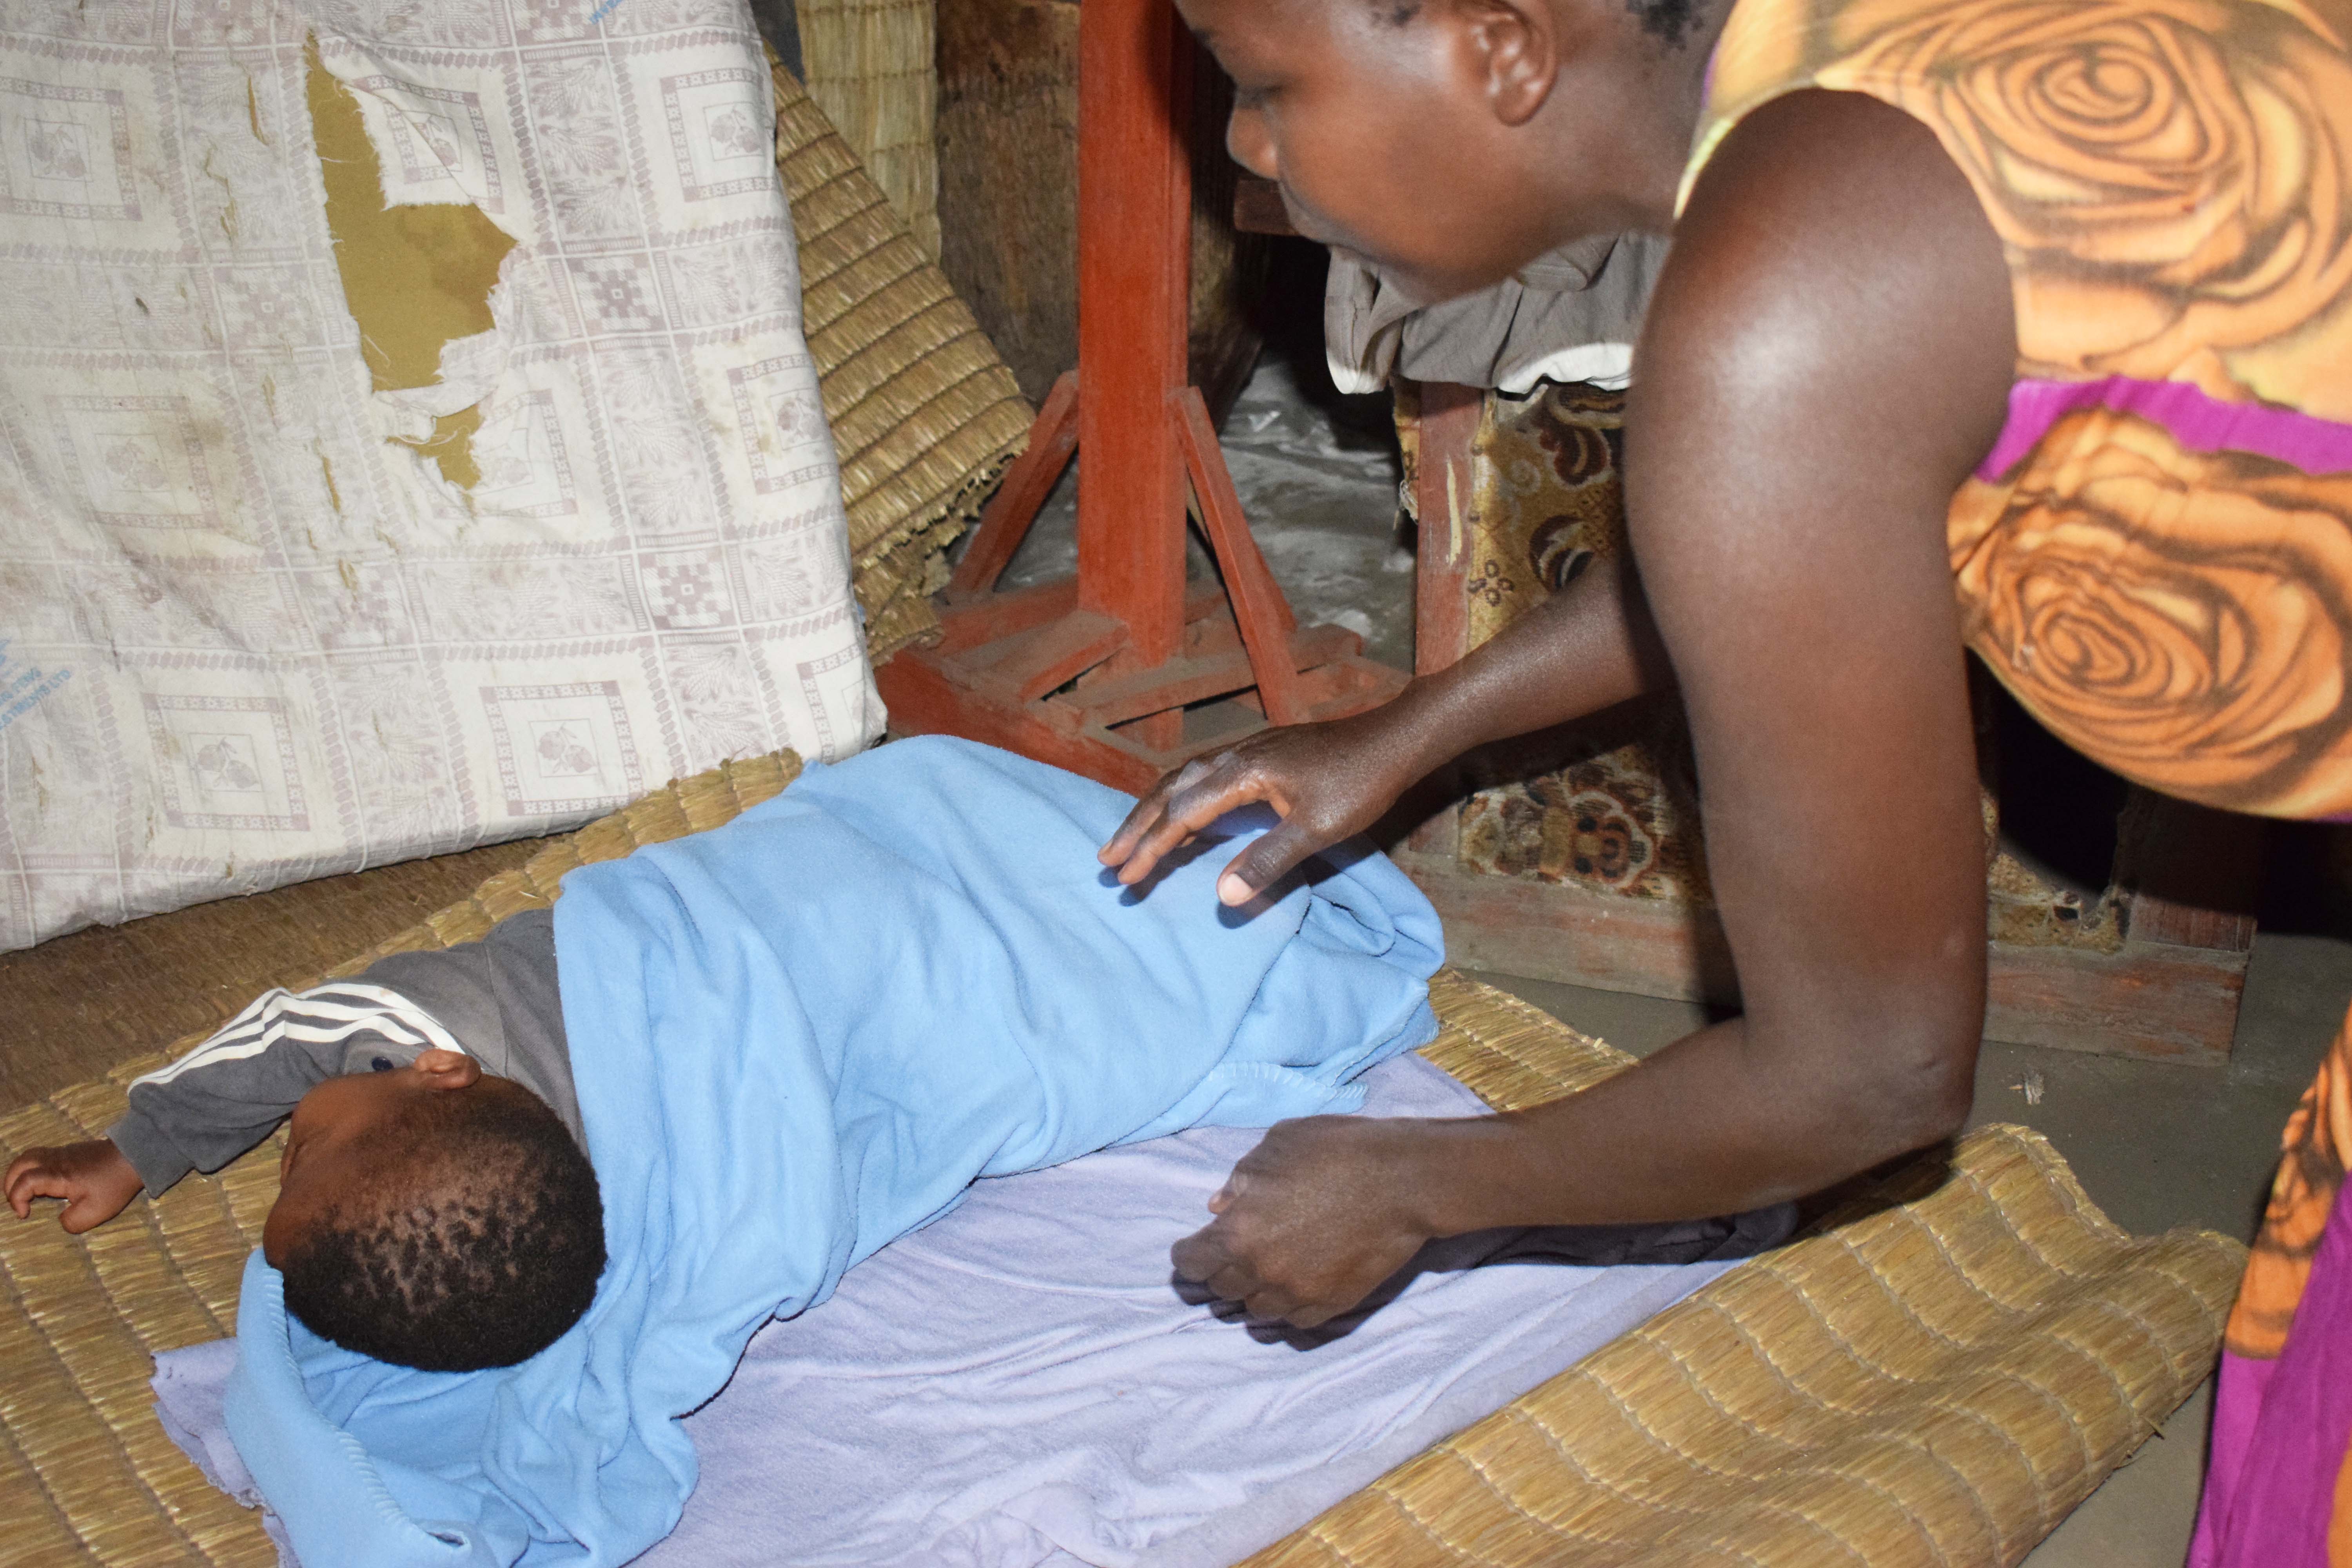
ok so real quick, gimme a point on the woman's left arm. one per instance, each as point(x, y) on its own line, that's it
point(1827, 356)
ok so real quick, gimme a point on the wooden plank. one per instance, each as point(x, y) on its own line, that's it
point(1198, 677)
point(2193, 874)
point(2152, 1000)
point(925, 699)
point(1019, 669)
point(1348, 685)
point(982, 620)
point(1445, 496)
point(1259, 609)
point(1053, 440)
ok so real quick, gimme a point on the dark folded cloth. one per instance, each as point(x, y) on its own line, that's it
point(1606, 1246)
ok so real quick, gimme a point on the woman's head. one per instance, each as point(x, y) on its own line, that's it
point(1452, 141)
point(434, 1217)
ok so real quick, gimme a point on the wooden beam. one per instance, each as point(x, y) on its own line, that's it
point(2193, 874)
point(1446, 497)
point(1052, 441)
point(1026, 666)
point(1134, 264)
point(1259, 609)
point(989, 616)
point(1202, 677)
point(2153, 1000)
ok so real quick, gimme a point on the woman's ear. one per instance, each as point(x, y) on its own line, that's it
point(1514, 48)
point(446, 1070)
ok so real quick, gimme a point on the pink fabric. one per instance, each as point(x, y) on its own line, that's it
point(2200, 423)
point(2236, 1404)
point(2280, 1430)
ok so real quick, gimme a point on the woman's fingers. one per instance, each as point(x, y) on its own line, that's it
point(1141, 820)
point(1263, 863)
point(1274, 1306)
point(1182, 805)
point(1200, 1257)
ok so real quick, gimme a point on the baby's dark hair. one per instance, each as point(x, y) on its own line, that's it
point(477, 1244)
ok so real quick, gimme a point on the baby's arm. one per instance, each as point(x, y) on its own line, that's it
point(222, 1098)
point(93, 1178)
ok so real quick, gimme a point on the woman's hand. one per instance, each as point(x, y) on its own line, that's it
point(93, 1178)
point(1327, 781)
point(1312, 1219)
point(1587, 646)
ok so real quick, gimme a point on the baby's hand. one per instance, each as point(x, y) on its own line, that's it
point(93, 1178)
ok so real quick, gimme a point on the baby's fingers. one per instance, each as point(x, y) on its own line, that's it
point(86, 1210)
point(28, 1179)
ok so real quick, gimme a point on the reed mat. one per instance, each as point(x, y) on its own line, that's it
point(1936, 1374)
point(78, 1004)
point(924, 414)
point(872, 68)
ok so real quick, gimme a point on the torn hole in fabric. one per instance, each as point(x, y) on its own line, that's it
point(418, 275)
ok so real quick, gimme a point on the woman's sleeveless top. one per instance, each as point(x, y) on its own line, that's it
point(2156, 554)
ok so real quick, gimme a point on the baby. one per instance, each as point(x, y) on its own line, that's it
point(435, 1206)
point(784, 1042)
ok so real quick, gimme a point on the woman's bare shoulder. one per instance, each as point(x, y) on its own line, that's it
point(1833, 257)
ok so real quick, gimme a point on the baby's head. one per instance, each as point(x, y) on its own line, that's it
point(434, 1217)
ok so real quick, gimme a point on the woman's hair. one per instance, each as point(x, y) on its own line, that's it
point(476, 1243)
point(1668, 21)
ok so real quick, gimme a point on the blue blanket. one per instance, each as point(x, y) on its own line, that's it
point(797, 1038)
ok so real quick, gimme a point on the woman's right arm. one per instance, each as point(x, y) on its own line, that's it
point(1589, 646)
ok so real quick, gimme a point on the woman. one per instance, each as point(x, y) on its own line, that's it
point(2045, 301)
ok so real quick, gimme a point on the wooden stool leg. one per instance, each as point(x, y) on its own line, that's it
point(1052, 441)
point(1259, 609)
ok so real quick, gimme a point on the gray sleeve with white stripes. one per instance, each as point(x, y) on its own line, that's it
point(221, 1098)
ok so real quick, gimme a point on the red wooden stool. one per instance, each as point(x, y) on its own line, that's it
point(1121, 673)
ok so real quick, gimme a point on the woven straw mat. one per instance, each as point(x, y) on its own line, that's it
point(925, 417)
point(871, 66)
point(1936, 1375)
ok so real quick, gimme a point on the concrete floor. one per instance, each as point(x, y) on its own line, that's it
point(2156, 1145)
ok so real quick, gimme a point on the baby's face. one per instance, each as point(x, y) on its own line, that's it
point(317, 1169)
point(327, 1154)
